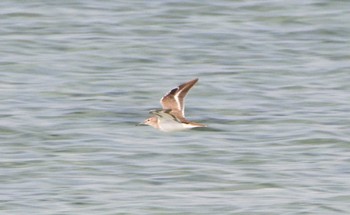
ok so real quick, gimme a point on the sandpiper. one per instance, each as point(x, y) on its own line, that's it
point(172, 116)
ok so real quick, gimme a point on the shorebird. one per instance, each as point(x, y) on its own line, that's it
point(172, 116)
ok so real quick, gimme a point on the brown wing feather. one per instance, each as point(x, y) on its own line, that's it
point(174, 100)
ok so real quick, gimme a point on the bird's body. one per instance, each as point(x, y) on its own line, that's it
point(172, 116)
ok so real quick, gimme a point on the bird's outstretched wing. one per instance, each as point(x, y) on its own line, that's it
point(174, 100)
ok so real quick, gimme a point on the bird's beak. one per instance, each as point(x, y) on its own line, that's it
point(140, 124)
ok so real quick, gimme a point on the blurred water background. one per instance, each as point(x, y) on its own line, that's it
point(274, 88)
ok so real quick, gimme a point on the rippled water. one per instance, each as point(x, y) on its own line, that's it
point(76, 76)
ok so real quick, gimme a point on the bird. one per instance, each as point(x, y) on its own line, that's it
point(172, 115)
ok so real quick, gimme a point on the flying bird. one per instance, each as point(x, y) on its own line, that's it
point(172, 116)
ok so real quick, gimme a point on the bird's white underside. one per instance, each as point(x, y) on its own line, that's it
point(167, 122)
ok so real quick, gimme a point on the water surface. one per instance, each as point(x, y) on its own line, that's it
point(75, 78)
